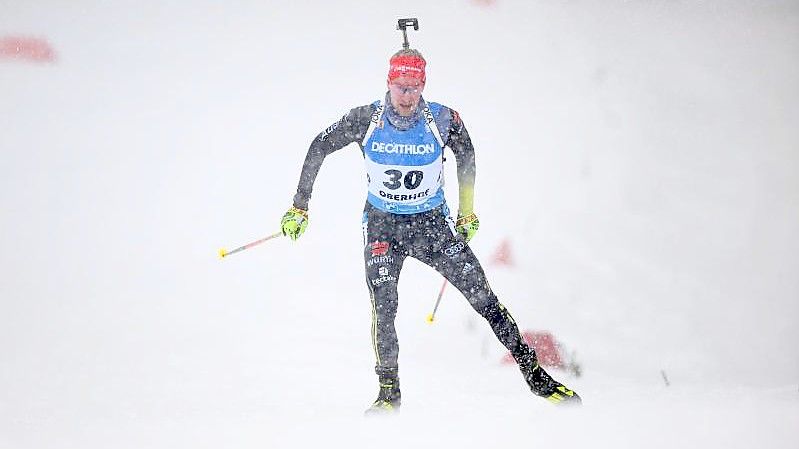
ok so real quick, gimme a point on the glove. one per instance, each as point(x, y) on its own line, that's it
point(294, 222)
point(467, 226)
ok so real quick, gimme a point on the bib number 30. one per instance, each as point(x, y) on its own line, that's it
point(410, 180)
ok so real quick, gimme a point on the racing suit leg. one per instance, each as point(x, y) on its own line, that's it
point(383, 258)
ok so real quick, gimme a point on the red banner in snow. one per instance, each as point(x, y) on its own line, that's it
point(546, 348)
point(502, 255)
point(26, 48)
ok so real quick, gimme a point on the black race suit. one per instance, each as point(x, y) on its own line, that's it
point(428, 237)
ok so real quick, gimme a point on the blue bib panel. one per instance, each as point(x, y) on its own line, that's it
point(404, 169)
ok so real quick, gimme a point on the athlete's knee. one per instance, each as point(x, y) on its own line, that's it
point(385, 312)
point(385, 301)
point(493, 311)
point(480, 297)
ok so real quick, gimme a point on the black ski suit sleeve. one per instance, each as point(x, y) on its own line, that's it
point(350, 128)
point(457, 139)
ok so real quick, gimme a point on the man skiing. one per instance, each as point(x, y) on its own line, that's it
point(402, 139)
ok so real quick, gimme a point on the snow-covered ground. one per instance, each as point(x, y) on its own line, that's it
point(640, 157)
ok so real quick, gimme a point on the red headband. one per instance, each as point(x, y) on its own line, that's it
point(407, 65)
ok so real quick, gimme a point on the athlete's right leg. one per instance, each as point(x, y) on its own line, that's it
point(383, 258)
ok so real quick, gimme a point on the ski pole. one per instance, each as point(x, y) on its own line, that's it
point(223, 252)
point(432, 316)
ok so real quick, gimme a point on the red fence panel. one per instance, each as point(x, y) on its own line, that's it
point(26, 48)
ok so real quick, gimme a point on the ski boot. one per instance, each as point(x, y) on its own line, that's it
point(388, 398)
point(542, 384)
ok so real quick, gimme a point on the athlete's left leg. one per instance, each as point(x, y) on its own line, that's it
point(453, 258)
point(448, 254)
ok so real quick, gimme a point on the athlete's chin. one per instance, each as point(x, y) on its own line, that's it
point(405, 110)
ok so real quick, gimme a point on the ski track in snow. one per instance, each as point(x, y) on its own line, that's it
point(640, 158)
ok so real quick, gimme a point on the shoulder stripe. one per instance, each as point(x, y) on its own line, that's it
point(376, 116)
point(431, 123)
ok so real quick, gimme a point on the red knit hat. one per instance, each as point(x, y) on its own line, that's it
point(407, 65)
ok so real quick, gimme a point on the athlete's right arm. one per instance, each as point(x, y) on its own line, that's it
point(350, 128)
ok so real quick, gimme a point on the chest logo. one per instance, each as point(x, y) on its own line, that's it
point(400, 148)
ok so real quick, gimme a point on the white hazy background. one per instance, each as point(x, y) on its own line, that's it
point(641, 157)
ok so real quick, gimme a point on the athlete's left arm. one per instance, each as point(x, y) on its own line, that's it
point(457, 139)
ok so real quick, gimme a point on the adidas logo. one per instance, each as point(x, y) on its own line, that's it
point(467, 268)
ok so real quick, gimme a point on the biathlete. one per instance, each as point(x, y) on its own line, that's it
point(402, 138)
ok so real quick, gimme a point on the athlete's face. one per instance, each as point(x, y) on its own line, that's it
point(405, 93)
